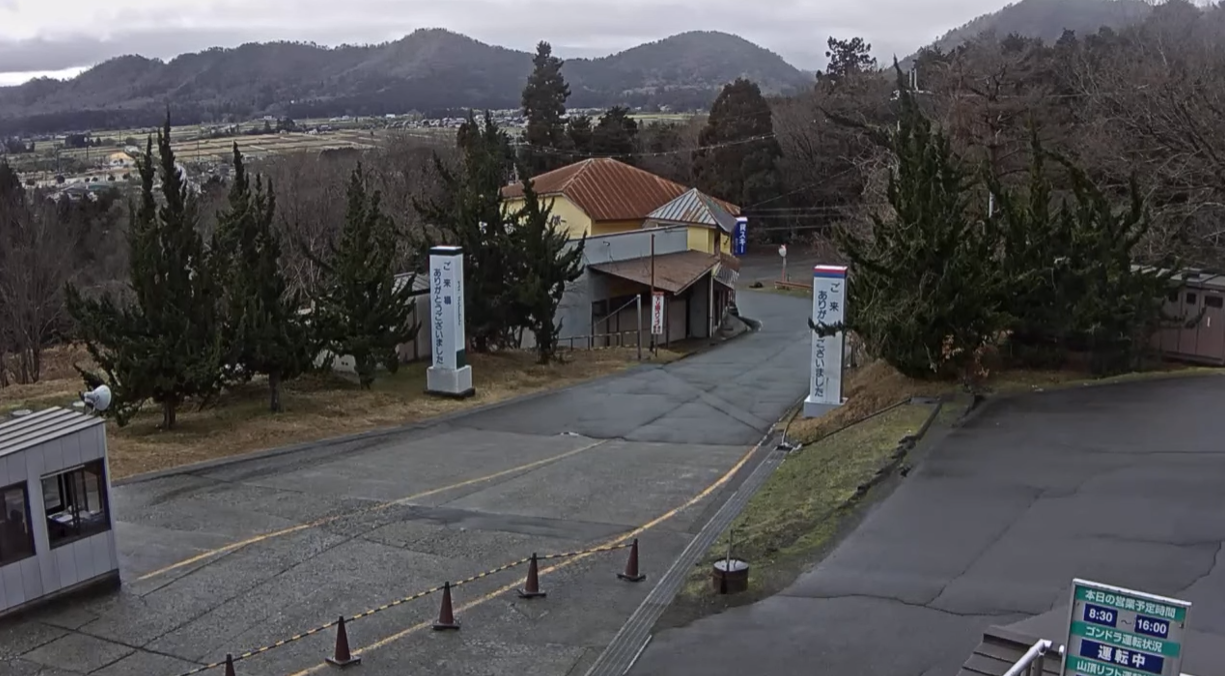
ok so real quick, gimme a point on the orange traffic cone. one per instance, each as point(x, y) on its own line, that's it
point(342, 657)
point(531, 586)
point(446, 614)
point(631, 573)
point(229, 665)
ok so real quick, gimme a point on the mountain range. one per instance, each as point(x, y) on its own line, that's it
point(428, 70)
point(1048, 19)
point(435, 70)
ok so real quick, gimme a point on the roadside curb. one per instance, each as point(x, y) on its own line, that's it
point(620, 655)
point(904, 446)
point(379, 433)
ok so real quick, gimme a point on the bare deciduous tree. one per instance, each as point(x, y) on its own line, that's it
point(33, 271)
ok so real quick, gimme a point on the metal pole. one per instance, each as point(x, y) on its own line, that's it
point(639, 299)
point(1035, 651)
point(653, 294)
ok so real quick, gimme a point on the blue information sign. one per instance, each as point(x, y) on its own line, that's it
point(1123, 657)
point(1151, 626)
point(1123, 632)
point(1099, 615)
point(740, 236)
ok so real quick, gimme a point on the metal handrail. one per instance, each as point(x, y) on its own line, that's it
point(1034, 659)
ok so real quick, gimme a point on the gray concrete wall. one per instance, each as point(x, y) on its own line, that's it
point(699, 308)
point(574, 311)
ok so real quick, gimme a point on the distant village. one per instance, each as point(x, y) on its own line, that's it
point(81, 165)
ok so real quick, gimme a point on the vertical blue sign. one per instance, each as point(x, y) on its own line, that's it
point(740, 236)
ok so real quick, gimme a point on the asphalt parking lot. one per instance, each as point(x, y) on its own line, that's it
point(1119, 484)
point(242, 555)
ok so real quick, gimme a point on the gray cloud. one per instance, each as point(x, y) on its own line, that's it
point(796, 29)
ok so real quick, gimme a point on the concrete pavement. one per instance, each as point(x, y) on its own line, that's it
point(230, 558)
point(1120, 484)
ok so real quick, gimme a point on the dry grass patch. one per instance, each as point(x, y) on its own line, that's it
point(317, 406)
point(799, 511)
point(807, 503)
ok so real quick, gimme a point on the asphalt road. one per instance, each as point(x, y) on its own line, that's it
point(765, 265)
point(340, 528)
point(1119, 484)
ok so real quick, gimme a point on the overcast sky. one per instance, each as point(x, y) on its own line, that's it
point(57, 37)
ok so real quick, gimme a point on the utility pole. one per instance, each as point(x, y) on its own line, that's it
point(654, 349)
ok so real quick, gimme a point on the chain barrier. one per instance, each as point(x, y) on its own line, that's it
point(401, 601)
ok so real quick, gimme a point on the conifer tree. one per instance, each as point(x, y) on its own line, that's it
point(547, 262)
point(472, 216)
point(164, 345)
point(544, 106)
point(738, 160)
point(265, 334)
point(614, 135)
point(923, 290)
point(361, 311)
point(1070, 265)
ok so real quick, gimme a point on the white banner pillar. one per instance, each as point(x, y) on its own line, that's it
point(828, 309)
point(449, 374)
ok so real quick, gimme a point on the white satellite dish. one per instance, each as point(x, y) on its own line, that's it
point(98, 399)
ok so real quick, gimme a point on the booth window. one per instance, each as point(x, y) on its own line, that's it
point(16, 535)
point(76, 504)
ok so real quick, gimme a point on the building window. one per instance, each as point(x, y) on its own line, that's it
point(16, 536)
point(1213, 301)
point(76, 504)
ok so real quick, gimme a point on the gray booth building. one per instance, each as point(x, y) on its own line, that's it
point(56, 530)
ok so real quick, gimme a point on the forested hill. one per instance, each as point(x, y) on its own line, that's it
point(1048, 19)
point(431, 69)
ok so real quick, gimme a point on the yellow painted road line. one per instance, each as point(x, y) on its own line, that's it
point(233, 546)
point(383, 642)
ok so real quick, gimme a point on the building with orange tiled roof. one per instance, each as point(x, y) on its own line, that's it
point(603, 196)
point(647, 236)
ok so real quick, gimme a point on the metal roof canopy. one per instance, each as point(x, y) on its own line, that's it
point(28, 431)
point(697, 208)
point(674, 272)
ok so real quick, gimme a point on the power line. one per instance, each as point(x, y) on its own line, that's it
point(696, 149)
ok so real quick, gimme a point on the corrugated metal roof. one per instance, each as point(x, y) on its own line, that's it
point(673, 272)
point(695, 206)
point(21, 433)
point(606, 189)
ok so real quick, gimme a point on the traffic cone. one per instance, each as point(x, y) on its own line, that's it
point(631, 567)
point(446, 614)
point(531, 586)
point(342, 656)
point(229, 665)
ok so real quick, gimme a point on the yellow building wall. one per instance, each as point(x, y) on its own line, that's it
point(703, 239)
point(614, 227)
point(574, 220)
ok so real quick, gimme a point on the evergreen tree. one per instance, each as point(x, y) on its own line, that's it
point(265, 333)
point(614, 135)
point(547, 262)
point(361, 311)
point(472, 216)
point(579, 135)
point(1072, 281)
point(847, 58)
point(165, 344)
point(544, 106)
point(923, 291)
point(739, 153)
